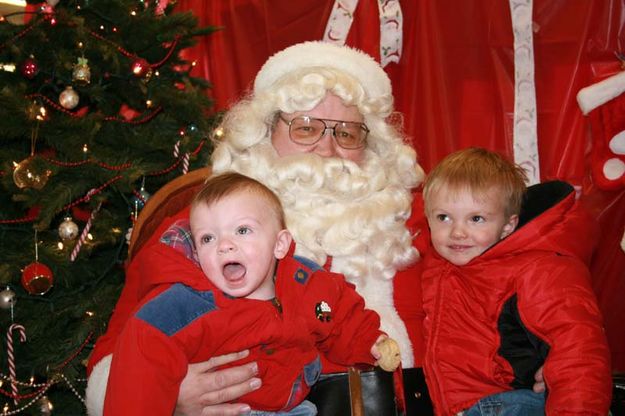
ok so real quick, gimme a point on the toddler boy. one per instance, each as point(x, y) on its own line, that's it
point(248, 293)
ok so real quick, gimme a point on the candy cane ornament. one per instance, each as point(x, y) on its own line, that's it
point(83, 235)
point(185, 158)
point(11, 356)
point(185, 163)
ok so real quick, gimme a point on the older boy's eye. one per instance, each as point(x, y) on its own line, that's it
point(243, 230)
point(442, 217)
point(477, 218)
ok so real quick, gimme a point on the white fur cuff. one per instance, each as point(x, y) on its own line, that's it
point(96, 386)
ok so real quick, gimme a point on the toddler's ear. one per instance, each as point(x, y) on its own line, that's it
point(283, 242)
point(510, 226)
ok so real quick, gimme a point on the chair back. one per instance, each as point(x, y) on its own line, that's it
point(168, 200)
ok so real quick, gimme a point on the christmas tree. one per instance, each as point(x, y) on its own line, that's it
point(97, 111)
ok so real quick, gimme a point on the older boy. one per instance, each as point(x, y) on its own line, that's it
point(499, 304)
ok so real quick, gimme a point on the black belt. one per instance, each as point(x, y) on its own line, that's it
point(331, 394)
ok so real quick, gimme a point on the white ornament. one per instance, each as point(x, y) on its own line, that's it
point(68, 230)
point(69, 98)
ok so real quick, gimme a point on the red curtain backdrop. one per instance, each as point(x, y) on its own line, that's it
point(455, 86)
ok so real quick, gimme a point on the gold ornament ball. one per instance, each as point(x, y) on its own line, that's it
point(25, 175)
point(69, 98)
point(68, 230)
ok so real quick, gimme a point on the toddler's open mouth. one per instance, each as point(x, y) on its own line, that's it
point(233, 271)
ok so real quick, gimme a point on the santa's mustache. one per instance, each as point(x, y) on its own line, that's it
point(329, 178)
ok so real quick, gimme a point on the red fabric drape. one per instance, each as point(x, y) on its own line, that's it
point(249, 32)
point(455, 86)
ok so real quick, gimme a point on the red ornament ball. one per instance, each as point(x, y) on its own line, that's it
point(141, 68)
point(37, 278)
point(29, 68)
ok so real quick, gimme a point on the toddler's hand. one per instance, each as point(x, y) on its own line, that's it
point(386, 351)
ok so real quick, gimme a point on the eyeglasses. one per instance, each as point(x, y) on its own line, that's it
point(307, 131)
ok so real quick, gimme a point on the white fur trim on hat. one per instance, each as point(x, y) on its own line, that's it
point(354, 62)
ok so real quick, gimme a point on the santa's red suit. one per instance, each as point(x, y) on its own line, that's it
point(525, 301)
point(184, 318)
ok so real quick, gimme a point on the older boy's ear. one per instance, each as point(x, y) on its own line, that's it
point(510, 226)
point(283, 242)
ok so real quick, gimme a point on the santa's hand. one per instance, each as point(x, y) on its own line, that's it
point(207, 390)
point(386, 352)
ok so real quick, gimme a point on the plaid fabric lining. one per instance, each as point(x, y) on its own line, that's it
point(178, 237)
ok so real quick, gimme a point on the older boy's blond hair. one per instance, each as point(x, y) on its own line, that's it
point(478, 170)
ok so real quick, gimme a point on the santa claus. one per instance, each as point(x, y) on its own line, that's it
point(316, 130)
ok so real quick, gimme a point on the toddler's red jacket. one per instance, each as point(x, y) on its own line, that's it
point(186, 319)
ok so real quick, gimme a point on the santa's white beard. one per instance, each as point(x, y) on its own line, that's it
point(355, 214)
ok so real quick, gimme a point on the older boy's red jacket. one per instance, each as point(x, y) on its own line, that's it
point(490, 323)
point(185, 319)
